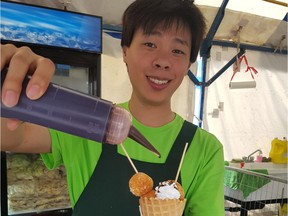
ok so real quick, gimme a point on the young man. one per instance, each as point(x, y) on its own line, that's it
point(160, 40)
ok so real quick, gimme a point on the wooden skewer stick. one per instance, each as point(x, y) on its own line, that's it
point(181, 161)
point(131, 162)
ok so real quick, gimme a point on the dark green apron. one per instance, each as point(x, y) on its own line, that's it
point(107, 192)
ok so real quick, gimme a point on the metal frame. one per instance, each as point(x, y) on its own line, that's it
point(257, 199)
point(205, 54)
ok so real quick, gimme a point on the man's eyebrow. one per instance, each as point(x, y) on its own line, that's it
point(177, 39)
point(181, 41)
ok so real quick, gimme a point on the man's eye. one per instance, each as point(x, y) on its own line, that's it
point(149, 44)
point(178, 52)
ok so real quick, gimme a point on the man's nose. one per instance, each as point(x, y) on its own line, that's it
point(161, 66)
point(162, 62)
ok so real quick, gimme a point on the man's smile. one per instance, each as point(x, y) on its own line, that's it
point(158, 81)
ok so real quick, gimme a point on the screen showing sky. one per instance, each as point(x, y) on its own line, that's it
point(37, 25)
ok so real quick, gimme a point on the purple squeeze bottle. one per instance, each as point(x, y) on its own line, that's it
point(76, 113)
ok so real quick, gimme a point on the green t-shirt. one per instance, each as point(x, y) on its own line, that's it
point(202, 172)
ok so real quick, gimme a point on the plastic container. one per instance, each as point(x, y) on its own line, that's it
point(278, 152)
point(259, 158)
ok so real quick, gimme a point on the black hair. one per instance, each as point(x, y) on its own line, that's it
point(148, 14)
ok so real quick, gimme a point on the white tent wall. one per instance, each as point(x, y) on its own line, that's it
point(252, 117)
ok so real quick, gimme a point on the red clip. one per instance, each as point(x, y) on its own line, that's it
point(251, 69)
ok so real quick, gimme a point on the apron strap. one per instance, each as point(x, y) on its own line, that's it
point(186, 135)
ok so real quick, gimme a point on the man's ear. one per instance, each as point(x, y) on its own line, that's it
point(124, 49)
point(188, 68)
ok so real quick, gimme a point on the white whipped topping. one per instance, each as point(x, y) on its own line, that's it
point(167, 190)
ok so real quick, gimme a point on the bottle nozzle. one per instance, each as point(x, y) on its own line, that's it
point(120, 127)
point(138, 137)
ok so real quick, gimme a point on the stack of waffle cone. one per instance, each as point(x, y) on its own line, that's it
point(150, 206)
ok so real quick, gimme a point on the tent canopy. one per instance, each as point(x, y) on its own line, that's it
point(260, 23)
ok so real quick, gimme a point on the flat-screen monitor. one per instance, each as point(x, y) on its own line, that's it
point(50, 27)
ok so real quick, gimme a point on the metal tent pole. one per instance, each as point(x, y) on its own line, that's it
point(205, 53)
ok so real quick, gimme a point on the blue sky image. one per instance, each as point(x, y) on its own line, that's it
point(26, 23)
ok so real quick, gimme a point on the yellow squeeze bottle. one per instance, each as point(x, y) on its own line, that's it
point(278, 152)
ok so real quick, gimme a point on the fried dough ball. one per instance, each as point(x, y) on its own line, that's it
point(150, 194)
point(140, 184)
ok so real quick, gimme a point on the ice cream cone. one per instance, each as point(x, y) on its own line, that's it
point(156, 207)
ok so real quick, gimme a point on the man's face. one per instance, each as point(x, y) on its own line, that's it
point(158, 62)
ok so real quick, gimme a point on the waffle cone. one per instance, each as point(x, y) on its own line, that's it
point(156, 207)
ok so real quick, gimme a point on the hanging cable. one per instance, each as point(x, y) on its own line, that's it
point(236, 65)
point(280, 44)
